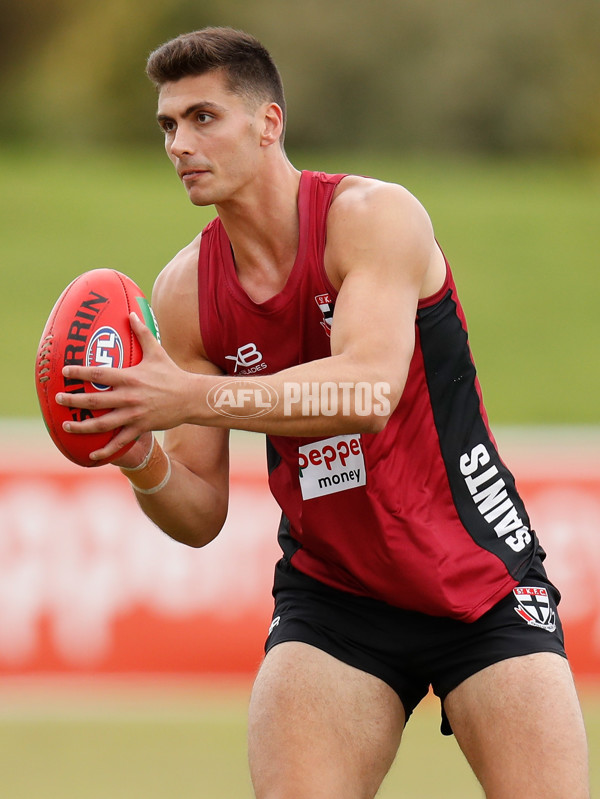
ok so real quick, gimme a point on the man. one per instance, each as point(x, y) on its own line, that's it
point(408, 559)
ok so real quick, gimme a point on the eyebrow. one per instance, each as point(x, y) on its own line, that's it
point(204, 105)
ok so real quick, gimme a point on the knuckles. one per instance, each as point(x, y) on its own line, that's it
point(98, 374)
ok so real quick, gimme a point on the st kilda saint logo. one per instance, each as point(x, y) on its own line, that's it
point(326, 305)
point(534, 607)
point(105, 349)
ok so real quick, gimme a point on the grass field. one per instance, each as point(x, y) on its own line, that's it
point(523, 238)
point(188, 740)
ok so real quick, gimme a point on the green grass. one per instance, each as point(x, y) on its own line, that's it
point(124, 745)
point(523, 239)
point(156, 742)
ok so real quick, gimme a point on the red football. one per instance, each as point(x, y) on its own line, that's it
point(88, 326)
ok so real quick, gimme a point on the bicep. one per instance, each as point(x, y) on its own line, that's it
point(374, 325)
point(202, 450)
point(381, 247)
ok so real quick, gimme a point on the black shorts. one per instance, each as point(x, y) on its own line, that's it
point(412, 651)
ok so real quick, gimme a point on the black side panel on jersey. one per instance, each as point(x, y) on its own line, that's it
point(287, 542)
point(483, 489)
point(273, 457)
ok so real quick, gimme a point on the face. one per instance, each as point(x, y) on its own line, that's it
point(213, 137)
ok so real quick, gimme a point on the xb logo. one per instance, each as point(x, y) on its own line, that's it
point(246, 356)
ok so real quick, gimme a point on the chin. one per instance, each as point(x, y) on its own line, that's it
point(201, 203)
point(201, 199)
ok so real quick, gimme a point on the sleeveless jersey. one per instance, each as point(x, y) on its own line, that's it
point(423, 515)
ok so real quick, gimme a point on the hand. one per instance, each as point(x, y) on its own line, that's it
point(137, 454)
point(149, 396)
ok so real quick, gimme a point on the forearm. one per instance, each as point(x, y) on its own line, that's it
point(351, 392)
point(331, 396)
point(186, 507)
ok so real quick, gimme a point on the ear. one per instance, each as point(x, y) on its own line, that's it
point(272, 125)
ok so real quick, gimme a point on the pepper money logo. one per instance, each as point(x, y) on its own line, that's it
point(245, 399)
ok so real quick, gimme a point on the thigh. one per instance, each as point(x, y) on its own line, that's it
point(520, 727)
point(319, 728)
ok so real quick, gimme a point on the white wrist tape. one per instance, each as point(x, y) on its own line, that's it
point(153, 473)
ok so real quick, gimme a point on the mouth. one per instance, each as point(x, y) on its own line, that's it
point(190, 174)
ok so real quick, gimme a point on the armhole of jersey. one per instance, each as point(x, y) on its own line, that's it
point(328, 188)
point(209, 341)
point(434, 298)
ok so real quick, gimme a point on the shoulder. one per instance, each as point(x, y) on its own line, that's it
point(179, 275)
point(373, 219)
point(359, 199)
point(175, 303)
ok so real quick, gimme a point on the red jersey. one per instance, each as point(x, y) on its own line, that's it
point(423, 515)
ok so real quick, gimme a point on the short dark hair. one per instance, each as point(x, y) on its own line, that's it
point(249, 69)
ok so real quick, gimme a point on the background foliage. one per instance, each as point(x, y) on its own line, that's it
point(515, 76)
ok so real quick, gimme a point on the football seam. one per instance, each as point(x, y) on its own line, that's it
point(45, 398)
point(123, 278)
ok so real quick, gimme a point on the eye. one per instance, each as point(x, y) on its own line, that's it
point(167, 125)
point(202, 117)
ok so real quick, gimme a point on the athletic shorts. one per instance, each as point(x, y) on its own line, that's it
point(412, 651)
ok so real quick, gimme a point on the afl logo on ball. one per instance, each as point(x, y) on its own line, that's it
point(105, 349)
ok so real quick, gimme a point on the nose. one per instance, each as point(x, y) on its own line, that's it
point(181, 142)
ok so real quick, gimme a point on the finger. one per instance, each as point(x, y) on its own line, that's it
point(143, 333)
point(101, 375)
point(92, 400)
point(115, 445)
point(104, 423)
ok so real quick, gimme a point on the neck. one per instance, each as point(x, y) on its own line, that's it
point(262, 226)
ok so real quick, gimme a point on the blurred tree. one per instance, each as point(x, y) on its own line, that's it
point(473, 75)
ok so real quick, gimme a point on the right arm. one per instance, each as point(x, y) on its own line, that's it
point(192, 506)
